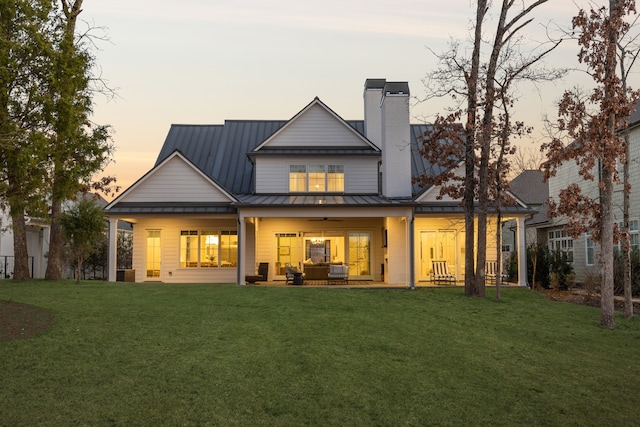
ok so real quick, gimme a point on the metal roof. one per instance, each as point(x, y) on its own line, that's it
point(221, 151)
point(458, 208)
point(318, 200)
point(166, 207)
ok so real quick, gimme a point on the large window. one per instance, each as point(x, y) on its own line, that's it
point(559, 240)
point(208, 248)
point(359, 254)
point(316, 178)
point(153, 254)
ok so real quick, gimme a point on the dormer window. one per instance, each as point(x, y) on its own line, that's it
point(316, 178)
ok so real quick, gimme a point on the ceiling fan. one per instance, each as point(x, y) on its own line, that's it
point(325, 219)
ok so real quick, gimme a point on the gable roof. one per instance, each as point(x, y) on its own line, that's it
point(315, 112)
point(151, 188)
point(530, 187)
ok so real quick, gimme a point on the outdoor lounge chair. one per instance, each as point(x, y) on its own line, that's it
point(491, 272)
point(338, 273)
point(441, 273)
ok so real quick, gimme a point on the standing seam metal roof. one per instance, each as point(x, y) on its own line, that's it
point(221, 151)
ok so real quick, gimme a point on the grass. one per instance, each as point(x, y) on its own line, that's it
point(140, 354)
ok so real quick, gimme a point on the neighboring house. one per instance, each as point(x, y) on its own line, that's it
point(38, 232)
point(37, 245)
point(97, 270)
point(583, 252)
point(532, 190)
point(222, 199)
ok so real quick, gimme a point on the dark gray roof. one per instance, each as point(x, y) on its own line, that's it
point(530, 187)
point(375, 83)
point(301, 200)
point(166, 207)
point(458, 208)
point(222, 151)
point(396, 88)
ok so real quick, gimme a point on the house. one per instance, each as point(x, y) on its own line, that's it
point(582, 251)
point(315, 189)
point(37, 245)
point(38, 232)
point(529, 187)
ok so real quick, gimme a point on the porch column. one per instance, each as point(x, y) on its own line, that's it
point(242, 232)
point(522, 252)
point(412, 250)
point(113, 249)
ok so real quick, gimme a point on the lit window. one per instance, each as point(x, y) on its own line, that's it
point(335, 178)
point(207, 248)
point(189, 248)
point(316, 178)
point(297, 178)
point(228, 248)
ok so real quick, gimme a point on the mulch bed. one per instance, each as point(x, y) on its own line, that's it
point(583, 298)
point(22, 320)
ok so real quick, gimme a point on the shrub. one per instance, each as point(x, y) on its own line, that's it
point(618, 272)
point(538, 266)
point(561, 270)
point(511, 267)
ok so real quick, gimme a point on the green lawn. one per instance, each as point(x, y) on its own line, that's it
point(134, 354)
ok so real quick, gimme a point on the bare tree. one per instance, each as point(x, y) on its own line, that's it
point(592, 123)
point(475, 81)
point(526, 158)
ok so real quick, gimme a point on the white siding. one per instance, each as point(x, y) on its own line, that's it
point(316, 127)
point(432, 194)
point(361, 173)
point(170, 271)
point(175, 181)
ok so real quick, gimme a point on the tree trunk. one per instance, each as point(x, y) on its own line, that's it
point(607, 309)
point(78, 268)
point(626, 183)
point(21, 256)
point(469, 154)
point(626, 247)
point(54, 263)
point(607, 318)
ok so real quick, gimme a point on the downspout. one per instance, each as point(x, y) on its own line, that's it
point(412, 249)
point(379, 177)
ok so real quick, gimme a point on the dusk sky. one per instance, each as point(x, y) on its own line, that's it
point(203, 61)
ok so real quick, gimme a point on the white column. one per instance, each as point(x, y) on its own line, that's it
point(522, 252)
point(113, 248)
point(242, 251)
point(412, 251)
